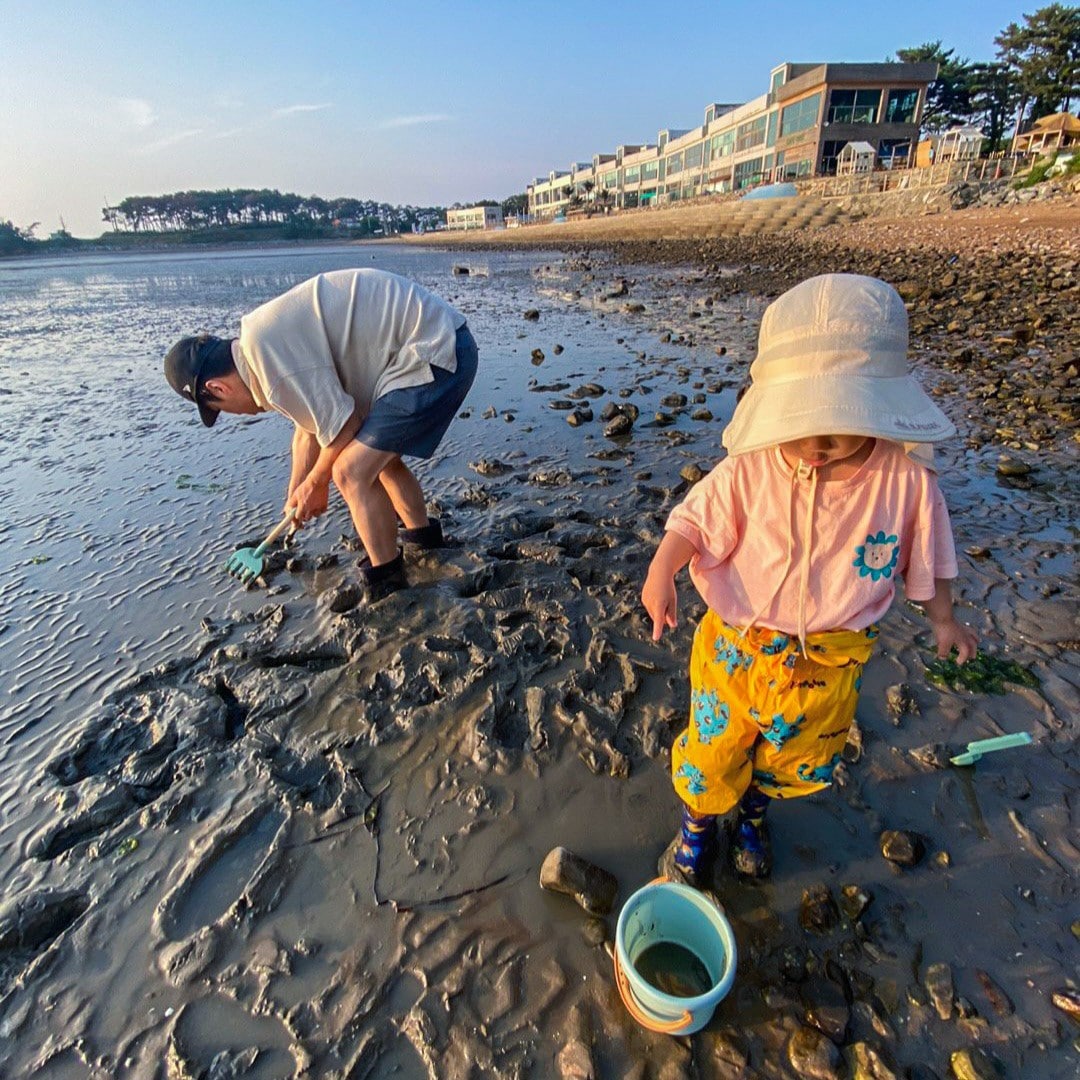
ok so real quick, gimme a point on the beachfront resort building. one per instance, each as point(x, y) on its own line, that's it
point(475, 217)
point(1048, 135)
point(797, 129)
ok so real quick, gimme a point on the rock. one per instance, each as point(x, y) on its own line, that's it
point(818, 912)
point(537, 357)
point(587, 390)
point(868, 1064)
point(489, 413)
point(900, 701)
point(999, 1000)
point(703, 415)
point(812, 1055)
point(609, 411)
point(931, 756)
point(574, 1062)
point(1068, 1001)
point(593, 888)
point(1009, 466)
point(853, 747)
point(558, 350)
point(344, 598)
point(854, 900)
point(691, 473)
point(633, 308)
point(902, 847)
point(664, 419)
point(579, 417)
point(972, 1064)
point(793, 963)
point(939, 985)
point(827, 1008)
point(460, 270)
point(619, 425)
point(673, 401)
point(595, 932)
point(532, 315)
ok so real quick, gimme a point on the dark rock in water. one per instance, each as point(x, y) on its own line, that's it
point(703, 415)
point(972, 1064)
point(560, 404)
point(939, 985)
point(537, 356)
point(593, 888)
point(854, 900)
point(826, 1008)
point(818, 912)
point(813, 1055)
point(868, 1064)
point(620, 425)
point(663, 419)
point(587, 390)
point(630, 410)
point(558, 350)
point(532, 315)
point(579, 417)
point(609, 411)
point(1009, 466)
point(902, 847)
point(344, 598)
point(673, 401)
point(460, 270)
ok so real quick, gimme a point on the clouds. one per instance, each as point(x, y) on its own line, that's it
point(292, 110)
point(135, 112)
point(167, 141)
point(412, 121)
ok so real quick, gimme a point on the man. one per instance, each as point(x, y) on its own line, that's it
point(368, 366)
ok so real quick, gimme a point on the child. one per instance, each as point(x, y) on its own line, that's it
point(794, 541)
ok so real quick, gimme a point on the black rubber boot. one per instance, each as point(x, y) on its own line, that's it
point(425, 536)
point(751, 850)
point(380, 581)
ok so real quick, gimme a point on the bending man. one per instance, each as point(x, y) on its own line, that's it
point(368, 366)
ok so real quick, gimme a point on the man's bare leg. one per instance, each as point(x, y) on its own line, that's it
point(356, 473)
point(404, 491)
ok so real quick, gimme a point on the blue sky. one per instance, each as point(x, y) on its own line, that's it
point(426, 103)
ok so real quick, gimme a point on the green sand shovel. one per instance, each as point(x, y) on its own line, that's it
point(246, 564)
point(975, 750)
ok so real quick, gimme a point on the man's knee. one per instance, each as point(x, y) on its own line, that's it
point(357, 469)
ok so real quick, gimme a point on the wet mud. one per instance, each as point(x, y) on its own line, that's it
point(280, 832)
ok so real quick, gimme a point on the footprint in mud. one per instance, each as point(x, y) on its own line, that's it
point(230, 872)
point(214, 1036)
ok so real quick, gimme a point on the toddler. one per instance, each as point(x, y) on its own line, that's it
point(795, 542)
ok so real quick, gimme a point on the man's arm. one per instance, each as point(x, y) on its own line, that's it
point(305, 452)
point(311, 494)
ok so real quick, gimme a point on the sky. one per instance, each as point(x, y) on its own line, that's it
point(408, 103)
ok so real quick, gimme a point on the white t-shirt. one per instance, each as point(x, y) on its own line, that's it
point(341, 340)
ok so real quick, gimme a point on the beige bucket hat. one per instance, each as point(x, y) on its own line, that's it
point(832, 360)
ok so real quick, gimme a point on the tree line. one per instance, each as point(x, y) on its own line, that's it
point(230, 208)
point(1036, 74)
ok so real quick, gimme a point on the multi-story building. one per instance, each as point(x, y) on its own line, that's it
point(797, 129)
point(474, 217)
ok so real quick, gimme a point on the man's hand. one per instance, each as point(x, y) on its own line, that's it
point(309, 498)
point(950, 634)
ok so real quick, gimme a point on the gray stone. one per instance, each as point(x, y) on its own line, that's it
point(619, 425)
point(813, 1055)
point(593, 888)
point(818, 912)
point(939, 985)
point(902, 847)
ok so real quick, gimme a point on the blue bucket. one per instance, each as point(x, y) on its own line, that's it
point(672, 913)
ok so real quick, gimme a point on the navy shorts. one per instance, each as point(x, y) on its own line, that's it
point(413, 420)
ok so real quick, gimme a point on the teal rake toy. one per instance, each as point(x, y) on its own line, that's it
point(246, 564)
point(975, 750)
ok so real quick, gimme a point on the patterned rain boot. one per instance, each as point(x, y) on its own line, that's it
point(751, 852)
point(689, 856)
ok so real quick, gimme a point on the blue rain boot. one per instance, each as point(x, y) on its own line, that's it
point(751, 851)
point(690, 855)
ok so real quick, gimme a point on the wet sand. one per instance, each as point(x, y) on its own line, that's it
point(306, 842)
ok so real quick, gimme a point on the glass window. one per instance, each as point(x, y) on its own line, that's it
point(650, 170)
point(854, 106)
point(793, 170)
point(770, 136)
point(693, 156)
point(893, 153)
point(900, 106)
point(632, 174)
point(830, 151)
point(610, 180)
point(777, 80)
point(750, 134)
point(674, 164)
point(721, 145)
point(800, 116)
point(747, 173)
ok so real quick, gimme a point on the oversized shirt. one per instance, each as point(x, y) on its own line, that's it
point(774, 549)
point(339, 341)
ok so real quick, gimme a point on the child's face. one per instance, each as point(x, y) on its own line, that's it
point(821, 450)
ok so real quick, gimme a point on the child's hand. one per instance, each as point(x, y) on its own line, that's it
point(661, 601)
point(950, 634)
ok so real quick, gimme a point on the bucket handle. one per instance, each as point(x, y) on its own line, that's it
point(668, 1027)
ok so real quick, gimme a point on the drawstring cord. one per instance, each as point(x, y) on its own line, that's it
point(803, 472)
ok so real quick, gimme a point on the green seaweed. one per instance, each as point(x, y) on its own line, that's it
point(37, 560)
point(185, 482)
point(982, 675)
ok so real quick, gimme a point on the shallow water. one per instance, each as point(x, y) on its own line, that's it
point(674, 969)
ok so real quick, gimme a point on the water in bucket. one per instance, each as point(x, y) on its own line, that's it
point(674, 969)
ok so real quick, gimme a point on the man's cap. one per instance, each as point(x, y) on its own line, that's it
point(185, 363)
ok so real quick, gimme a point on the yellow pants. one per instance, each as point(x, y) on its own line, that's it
point(761, 711)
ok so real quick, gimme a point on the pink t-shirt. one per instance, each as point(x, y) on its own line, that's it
point(747, 522)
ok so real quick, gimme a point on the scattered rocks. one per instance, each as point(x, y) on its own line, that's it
point(593, 888)
point(972, 1064)
point(619, 425)
point(902, 847)
point(818, 912)
point(939, 985)
point(813, 1055)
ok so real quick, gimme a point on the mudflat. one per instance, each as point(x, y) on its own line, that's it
point(280, 833)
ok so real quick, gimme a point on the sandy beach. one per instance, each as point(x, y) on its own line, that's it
point(278, 833)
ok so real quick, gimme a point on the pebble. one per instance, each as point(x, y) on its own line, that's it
point(972, 1064)
point(813, 1055)
point(532, 315)
point(703, 415)
point(1068, 1001)
point(827, 1008)
point(854, 900)
point(579, 417)
point(939, 985)
point(619, 425)
point(537, 357)
point(1009, 466)
point(558, 350)
point(818, 912)
point(664, 419)
point(900, 701)
point(691, 473)
point(592, 887)
point(902, 847)
point(868, 1064)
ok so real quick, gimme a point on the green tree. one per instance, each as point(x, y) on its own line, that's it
point(1044, 57)
point(948, 97)
point(994, 96)
point(515, 204)
point(15, 241)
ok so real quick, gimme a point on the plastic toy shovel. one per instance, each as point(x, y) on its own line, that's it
point(975, 750)
point(246, 564)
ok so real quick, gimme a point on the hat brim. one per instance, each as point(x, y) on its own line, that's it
point(207, 415)
point(896, 409)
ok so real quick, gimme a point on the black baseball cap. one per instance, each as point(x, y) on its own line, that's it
point(191, 360)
